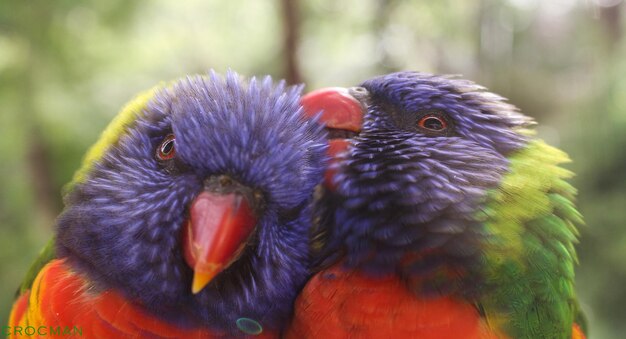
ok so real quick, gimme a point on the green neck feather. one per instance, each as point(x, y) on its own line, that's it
point(529, 260)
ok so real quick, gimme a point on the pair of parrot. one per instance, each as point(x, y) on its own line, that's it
point(412, 206)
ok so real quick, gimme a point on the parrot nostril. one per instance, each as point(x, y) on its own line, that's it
point(361, 94)
point(358, 90)
point(225, 180)
point(226, 184)
point(222, 183)
point(258, 195)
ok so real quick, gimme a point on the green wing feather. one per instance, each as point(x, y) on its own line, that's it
point(530, 256)
point(108, 138)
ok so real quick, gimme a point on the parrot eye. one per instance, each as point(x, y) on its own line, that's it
point(166, 150)
point(433, 123)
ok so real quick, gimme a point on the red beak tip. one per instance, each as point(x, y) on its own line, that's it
point(218, 227)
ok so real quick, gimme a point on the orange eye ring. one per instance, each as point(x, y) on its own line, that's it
point(433, 123)
point(166, 149)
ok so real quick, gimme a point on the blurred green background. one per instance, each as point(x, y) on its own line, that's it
point(67, 66)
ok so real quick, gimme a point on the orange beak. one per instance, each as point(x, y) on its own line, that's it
point(215, 234)
point(340, 112)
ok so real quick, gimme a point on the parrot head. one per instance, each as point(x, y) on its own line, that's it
point(412, 182)
point(444, 186)
point(197, 207)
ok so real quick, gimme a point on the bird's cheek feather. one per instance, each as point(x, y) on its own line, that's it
point(335, 148)
point(216, 232)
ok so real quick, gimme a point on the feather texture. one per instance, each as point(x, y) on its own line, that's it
point(118, 246)
point(116, 128)
point(530, 256)
point(445, 197)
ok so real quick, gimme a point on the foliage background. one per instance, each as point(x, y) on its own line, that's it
point(67, 66)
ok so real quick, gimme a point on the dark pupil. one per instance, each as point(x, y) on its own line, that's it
point(167, 147)
point(433, 124)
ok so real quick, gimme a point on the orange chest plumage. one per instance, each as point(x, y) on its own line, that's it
point(340, 304)
point(59, 298)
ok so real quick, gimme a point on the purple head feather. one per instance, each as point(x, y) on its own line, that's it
point(408, 198)
point(122, 225)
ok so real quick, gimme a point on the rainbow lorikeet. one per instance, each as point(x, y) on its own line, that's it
point(443, 218)
point(189, 218)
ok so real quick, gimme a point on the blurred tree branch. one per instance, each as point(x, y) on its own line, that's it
point(38, 159)
point(40, 172)
point(291, 33)
point(381, 21)
point(611, 18)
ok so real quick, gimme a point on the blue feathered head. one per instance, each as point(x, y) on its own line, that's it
point(409, 188)
point(205, 158)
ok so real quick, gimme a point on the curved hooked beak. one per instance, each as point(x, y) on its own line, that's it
point(216, 233)
point(342, 114)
